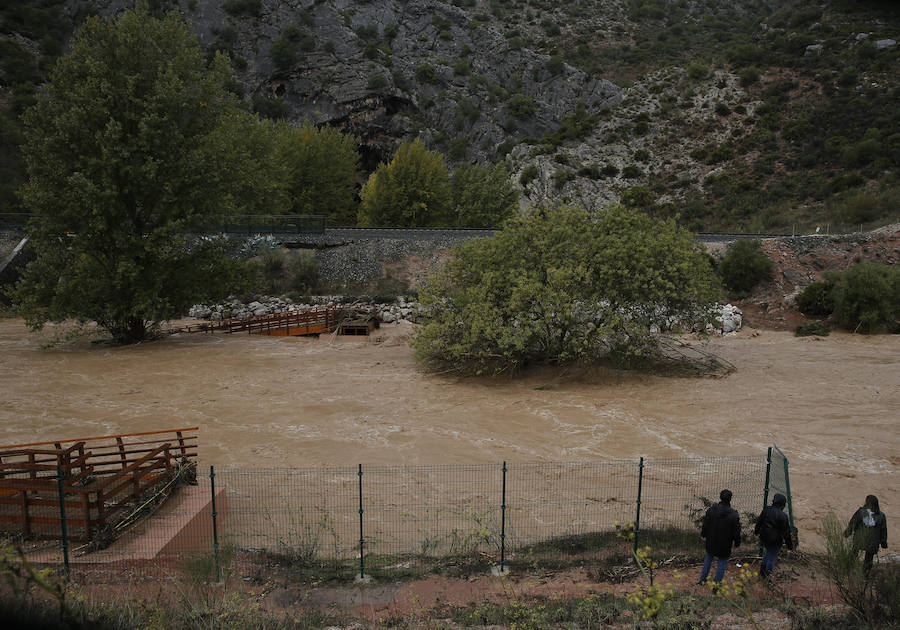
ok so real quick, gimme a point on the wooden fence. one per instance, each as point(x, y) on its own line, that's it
point(104, 480)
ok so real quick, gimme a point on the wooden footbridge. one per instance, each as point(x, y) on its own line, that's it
point(101, 481)
point(314, 321)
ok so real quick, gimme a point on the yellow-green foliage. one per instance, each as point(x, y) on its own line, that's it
point(413, 190)
point(561, 286)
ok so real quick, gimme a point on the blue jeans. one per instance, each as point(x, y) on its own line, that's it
point(720, 568)
point(769, 557)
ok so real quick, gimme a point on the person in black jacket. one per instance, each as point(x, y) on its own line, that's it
point(721, 529)
point(869, 527)
point(773, 530)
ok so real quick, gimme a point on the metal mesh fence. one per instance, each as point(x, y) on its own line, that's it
point(675, 493)
point(376, 513)
point(779, 481)
point(556, 500)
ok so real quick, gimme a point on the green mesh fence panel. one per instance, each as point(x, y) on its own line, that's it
point(302, 513)
point(677, 492)
point(780, 482)
point(431, 510)
point(555, 500)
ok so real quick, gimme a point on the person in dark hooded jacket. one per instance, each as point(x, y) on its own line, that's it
point(869, 525)
point(773, 530)
point(721, 529)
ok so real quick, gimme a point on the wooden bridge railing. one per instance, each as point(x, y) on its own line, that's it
point(314, 320)
point(100, 485)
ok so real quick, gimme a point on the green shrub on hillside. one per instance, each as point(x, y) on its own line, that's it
point(744, 266)
point(697, 71)
point(816, 299)
point(867, 298)
point(521, 106)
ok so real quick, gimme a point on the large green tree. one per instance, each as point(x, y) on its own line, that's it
point(562, 286)
point(412, 190)
point(321, 171)
point(483, 196)
point(134, 145)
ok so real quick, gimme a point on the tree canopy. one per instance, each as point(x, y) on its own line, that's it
point(483, 196)
point(412, 190)
point(321, 171)
point(560, 286)
point(134, 145)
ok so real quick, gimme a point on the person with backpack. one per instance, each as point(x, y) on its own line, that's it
point(721, 529)
point(868, 526)
point(773, 530)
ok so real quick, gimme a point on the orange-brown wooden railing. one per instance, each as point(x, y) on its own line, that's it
point(103, 478)
point(306, 322)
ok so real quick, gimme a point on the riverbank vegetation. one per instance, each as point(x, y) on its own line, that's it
point(560, 286)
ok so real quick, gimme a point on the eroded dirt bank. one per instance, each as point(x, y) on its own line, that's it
point(830, 403)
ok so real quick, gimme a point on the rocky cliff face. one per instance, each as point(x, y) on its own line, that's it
point(387, 70)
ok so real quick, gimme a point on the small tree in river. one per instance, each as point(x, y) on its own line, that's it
point(133, 146)
point(561, 286)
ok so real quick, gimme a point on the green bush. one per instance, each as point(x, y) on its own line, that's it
point(561, 177)
point(867, 298)
point(697, 71)
point(273, 108)
point(462, 67)
point(638, 197)
point(426, 74)
point(521, 106)
point(748, 76)
point(744, 266)
point(555, 65)
point(813, 328)
point(816, 300)
point(377, 81)
point(528, 174)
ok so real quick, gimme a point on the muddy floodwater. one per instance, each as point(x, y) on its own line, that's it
point(832, 404)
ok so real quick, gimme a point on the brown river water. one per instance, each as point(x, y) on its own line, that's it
point(831, 404)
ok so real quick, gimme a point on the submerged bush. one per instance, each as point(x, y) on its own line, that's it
point(814, 328)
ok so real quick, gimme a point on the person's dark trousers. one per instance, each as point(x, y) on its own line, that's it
point(768, 560)
point(867, 562)
point(720, 568)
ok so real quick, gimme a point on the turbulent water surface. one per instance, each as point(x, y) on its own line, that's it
point(831, 404)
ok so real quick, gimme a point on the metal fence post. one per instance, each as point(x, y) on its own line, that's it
point(503, 521)
point(787, 486)
point(766, 488)
point(62, 520)
point(362, 572)
point(637, 516)
point(212, 486)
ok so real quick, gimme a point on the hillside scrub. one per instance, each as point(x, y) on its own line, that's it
point(745, 266)
point(867, 298)
point(559, 286)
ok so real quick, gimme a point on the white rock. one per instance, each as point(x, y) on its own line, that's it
point(813, 49)
point(883, 44)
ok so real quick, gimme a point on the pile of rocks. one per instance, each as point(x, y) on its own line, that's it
point(728, 317)
point(399, 310)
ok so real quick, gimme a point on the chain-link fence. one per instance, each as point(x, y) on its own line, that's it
point(376, 515)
